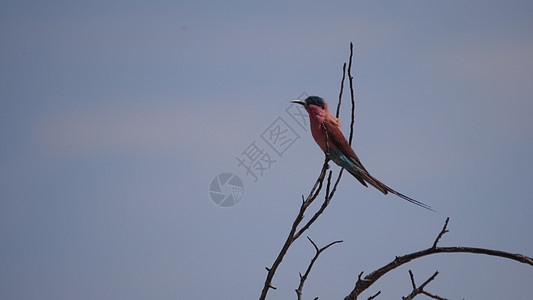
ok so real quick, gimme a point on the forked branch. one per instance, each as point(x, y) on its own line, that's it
point(313, 260)
point(420, 289)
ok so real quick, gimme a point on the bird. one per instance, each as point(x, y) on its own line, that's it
point(325, 129)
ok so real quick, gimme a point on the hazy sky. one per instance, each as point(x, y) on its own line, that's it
point(115, 116)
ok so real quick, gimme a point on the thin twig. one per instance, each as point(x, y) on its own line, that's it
point(420, 289)
point(336, 183)
point(433, 296)
point(352, 121)
point(318, 212)
point(360, 274)
point(318, 184)
point(442, 232)
point(374, 296)
point(350, 78)
point(423, 285)
point(313, 260)
point(342, 88)
point(413, 284)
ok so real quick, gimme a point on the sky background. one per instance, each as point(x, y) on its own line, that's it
point(115, 116)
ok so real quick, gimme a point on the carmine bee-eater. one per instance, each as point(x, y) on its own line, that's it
point(326, 131)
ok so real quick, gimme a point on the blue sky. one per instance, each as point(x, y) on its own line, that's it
point(115, 116)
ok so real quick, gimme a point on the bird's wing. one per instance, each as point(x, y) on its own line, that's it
point(337, 140)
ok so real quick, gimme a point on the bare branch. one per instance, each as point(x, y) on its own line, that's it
point(336, 183)
point(318, 184)
point(420, 289)
point(433, 296)
point(360, 274)
point(291, 237)
point(342, 88)
point(363, 283)
point(314, 245)
point(413, 284)
point(374, 296)
point(423, 285)
point(350, 78)
point(313, 260)
point(318, 212)
point(442, 232)
point(352, 121)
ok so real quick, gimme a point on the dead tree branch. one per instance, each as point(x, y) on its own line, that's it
point(342, 88)
point(420, 289)
point(363, 283)
point(291, 237)
point(374, 296)
point(313, 260)
point(350, 78)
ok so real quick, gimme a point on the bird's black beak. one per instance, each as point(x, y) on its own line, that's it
point(302, 102)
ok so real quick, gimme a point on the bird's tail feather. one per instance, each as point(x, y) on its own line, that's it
point(362, 175)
